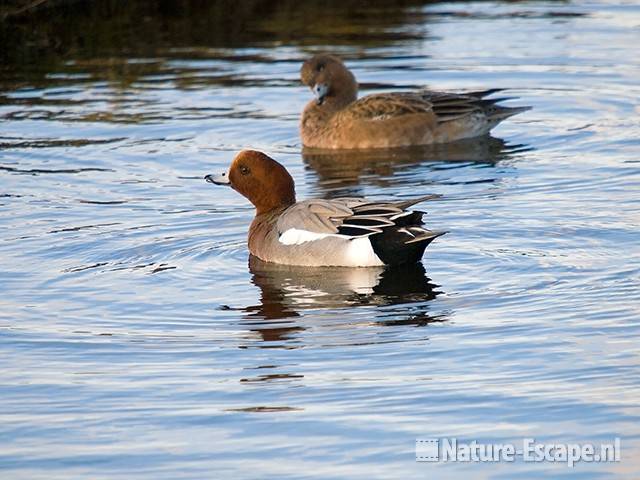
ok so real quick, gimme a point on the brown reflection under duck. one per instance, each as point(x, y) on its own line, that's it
point(337, 119)
point(350, 232)
point(345, 167)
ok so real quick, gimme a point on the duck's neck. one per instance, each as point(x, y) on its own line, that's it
point(263, 225)
point(274, 197)
point(347, 94)
point(316, 119)
point(272, 205)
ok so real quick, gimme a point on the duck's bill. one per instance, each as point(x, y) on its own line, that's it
point(221, 179)
point(320, 91)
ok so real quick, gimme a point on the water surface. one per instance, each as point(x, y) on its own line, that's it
point(137, 339)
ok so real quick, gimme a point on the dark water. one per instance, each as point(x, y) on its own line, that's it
point(136, 340)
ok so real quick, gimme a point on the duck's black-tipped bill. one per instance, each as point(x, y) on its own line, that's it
point(222, 179)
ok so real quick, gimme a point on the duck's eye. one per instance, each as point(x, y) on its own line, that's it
point(244, 170)
point(320, 67)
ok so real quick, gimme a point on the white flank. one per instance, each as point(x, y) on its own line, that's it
point(361, 254)
point(294, 236)
point(357, 252)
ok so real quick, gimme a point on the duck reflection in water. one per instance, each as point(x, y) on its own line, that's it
point(346, 167)
point(287, 291)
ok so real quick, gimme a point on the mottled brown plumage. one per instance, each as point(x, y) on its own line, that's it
point(337, 119)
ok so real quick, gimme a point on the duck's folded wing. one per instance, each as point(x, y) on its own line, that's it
point(345, 217)
point(453, 106)
point(443, 106)
point(314, 216)
point(384, 106)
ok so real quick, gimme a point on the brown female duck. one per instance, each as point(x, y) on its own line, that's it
point(337, 119)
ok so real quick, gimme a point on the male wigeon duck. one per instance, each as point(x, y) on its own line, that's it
point(349, 232)
point(338, 119)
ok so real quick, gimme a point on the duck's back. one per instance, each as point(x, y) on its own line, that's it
point(401, 119)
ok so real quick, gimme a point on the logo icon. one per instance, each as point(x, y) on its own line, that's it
point(427, 450)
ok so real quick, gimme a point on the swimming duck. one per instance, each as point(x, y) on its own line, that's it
point(337, 119)
point(350, 232)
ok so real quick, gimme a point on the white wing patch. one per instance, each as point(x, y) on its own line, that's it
point(355, 252)
point(295, 236)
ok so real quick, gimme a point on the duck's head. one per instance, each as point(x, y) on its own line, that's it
point(329, 79)
point(258, 177)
